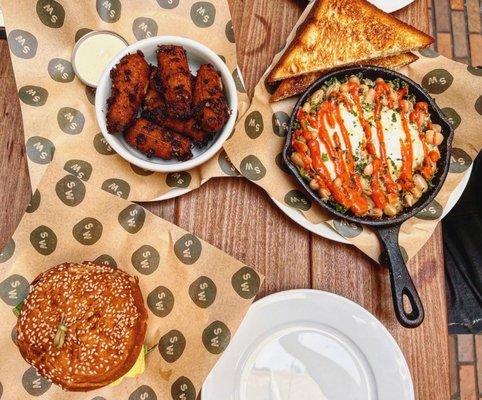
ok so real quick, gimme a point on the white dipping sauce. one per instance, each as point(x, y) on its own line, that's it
point(92, 54)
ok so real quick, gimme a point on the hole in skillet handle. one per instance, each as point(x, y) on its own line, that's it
point(406, 301)
point(404, 287)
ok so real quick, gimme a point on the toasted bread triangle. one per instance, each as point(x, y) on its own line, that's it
point(342, 32)
point(298, 84)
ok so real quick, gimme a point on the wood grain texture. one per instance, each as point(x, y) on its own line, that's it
point(238, 217)
point(14, 180)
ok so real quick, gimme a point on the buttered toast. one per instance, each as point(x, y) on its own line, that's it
point(345, 32)
point(292, 86)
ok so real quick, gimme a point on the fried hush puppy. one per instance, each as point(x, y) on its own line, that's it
point(154, 106)
point(130, 79)
point(189, 128)
point(210, 107)
point(176, 81)
point(155, 111)
point(156, 141)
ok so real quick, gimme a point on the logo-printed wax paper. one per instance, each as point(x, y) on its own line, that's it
point(57, 109)
point(256, 146)
point(195, 294)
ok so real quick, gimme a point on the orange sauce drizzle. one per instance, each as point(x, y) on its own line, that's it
point(349, 193)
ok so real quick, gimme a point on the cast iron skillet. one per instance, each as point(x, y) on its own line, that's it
point(386, 228)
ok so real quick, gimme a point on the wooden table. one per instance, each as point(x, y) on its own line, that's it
point(251, 228)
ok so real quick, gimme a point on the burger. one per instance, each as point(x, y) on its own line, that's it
point(82, 326)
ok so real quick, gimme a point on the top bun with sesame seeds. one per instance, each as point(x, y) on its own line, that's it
point(83, 325)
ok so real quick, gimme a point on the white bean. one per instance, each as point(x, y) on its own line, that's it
point(333, 88)
point(439, 138)
point(406, 106)
point(314, 184)
point(338, 182)
point(436, 127)
point(375, 212)
point(297, 160)
point(393, 95)
point(324, 193)
point(370, 96)
point(390, 210)
point(364, 88)
point(416, 192)
point(368, 170)
point(317, 97)
point(430, 136)
point(354, 79)
point(307, 107)
point(420, 182)
point(408, 200)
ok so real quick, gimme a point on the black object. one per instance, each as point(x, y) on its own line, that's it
point(462, 233)
point(387, 228)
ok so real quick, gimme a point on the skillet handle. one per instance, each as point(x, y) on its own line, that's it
point(400, 280)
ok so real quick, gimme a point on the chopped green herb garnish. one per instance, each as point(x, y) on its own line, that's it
point(395, 84)
point(314, 107)
point(330, 82)
point(18, 309)
point(324, 157)
point(394, 117)
point(394, 166)
point(340, 208)
point(360, 167)
point(295, 125)
point(304, 174)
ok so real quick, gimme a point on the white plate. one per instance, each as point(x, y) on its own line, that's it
point(197, 54)
point(391, 5)
point(324, 230)
point(309, 344)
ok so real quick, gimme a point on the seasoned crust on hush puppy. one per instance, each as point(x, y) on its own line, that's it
point(176, 81)
point(156, 141)
point(130, 78)
point(155, 111)
point(210, 107)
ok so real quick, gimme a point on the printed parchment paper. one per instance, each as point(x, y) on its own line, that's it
point(196, 295)
point(57, 109)
point(256, 146)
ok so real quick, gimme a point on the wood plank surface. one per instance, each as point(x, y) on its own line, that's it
point(238, 217)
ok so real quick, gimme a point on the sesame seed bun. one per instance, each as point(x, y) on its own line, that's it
point(83, 325)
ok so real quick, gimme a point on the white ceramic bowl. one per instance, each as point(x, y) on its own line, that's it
point(197, 54)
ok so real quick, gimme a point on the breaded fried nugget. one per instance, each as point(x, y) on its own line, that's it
point(154, 104)
point(175, 79)
point(210, 106)
point(155, 110)
point(189, 128)
point(130, 78)
point(156, 141)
